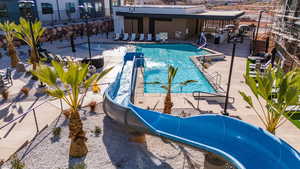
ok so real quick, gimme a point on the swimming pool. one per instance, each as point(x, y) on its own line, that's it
point(159, 56)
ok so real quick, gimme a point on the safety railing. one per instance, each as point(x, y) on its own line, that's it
point(12, 123)
point(215, 79)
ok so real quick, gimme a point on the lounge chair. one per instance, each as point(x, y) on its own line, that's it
point(133, 37)
point(164, 36)
point(117, 36)
point(7, 78)
point(157, 37)
point(126, 36)
point(149, 37)
point(142, 37)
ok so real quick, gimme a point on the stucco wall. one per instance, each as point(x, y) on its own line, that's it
point(176, 25)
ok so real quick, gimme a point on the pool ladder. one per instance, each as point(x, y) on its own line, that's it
point(215, 79)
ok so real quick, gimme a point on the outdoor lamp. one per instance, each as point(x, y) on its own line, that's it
point(87, 8)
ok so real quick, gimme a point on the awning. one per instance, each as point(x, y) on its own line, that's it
point(209, 15)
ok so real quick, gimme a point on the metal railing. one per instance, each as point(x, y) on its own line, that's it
point(12, 122)
point(215, 79)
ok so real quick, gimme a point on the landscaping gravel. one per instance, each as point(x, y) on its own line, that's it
point(110, 150)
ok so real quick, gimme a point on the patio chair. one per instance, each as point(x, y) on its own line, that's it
point(1, 81)
point(117, 37)
point(164, 36)
point(157, 37)
point(149, 37)
point(126, 36)
point(7, 79)
point(142, 37)
point(60, 59)
point(133, 37)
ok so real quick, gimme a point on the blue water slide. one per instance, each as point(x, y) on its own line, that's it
point(240, 143)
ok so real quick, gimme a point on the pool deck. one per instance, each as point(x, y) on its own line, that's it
point(287, 132)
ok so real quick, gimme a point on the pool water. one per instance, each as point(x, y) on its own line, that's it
point(157, 59)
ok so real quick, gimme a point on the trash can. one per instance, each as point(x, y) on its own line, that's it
point(217, 40)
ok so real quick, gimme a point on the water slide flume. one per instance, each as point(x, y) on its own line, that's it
point(242, 144)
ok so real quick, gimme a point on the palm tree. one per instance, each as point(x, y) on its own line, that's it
point(168, 104)
point(280, 92)
point(9, 29)
point(72, 79)
point(24, 34)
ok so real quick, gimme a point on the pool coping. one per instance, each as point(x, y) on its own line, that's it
point(218, 89)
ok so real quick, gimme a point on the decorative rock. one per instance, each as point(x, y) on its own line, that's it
point(20, 67)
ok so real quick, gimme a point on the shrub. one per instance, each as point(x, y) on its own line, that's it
point(56, 132)
point(25, 91)
point(93, 105)
point(79, 166)
point(95, 88)
point(97, 131)
point(5, 94)
point(16, 163)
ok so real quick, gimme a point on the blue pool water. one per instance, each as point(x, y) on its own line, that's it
point(159, 56)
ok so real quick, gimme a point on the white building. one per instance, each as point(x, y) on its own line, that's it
point(64, 10)
point(57, 10)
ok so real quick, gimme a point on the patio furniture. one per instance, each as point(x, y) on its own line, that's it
point(149, 37)
point(126, 36)
point(164, 36)
point(20, 67)
point(133, 37)
point(1, 81)
point(6, 78)
point(117, 37)
point(142, 37)
point(157, 37)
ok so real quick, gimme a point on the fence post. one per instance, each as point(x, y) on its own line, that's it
point(35, 119)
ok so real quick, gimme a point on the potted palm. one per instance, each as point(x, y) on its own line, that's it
point(72, 79)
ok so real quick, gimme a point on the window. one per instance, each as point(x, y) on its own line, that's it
point(3, 10)
point(47, 8)
point(114, 3)
point(98, 6)
point(70, 7)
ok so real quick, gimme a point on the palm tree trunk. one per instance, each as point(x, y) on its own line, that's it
point(13, 54)
point(168, 103)
point(78, 147)
point(33, 58)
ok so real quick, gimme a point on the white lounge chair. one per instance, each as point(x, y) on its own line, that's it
point(142, 37)
point(133, 37)
point(117, 36)
point(157, 37)
point(149, 37)
point(164, 36)
point(126, 36)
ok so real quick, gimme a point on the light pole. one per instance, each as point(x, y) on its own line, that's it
point(86, 8)
point(234, 40)
point(26, 7)
point(256, 35)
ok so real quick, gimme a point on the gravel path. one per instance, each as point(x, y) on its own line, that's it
point(111, 150)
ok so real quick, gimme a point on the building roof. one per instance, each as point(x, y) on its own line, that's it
point(178, 11)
